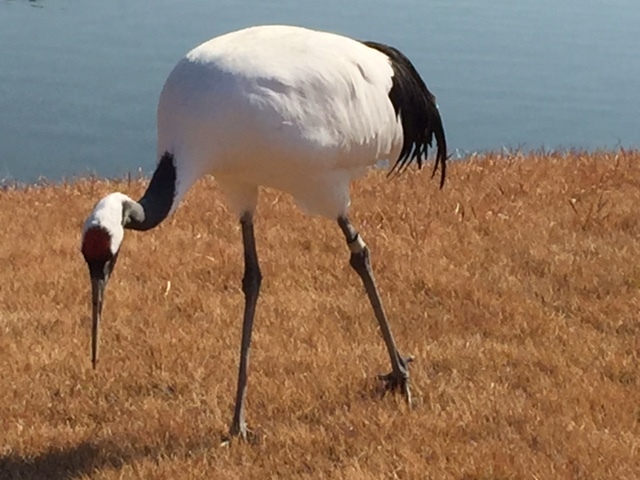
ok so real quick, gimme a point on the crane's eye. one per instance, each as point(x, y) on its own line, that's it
point(96, 245)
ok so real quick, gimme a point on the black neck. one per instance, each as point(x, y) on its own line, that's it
point(156, 203)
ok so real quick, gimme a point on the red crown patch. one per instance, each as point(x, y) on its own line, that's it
point(96, 245)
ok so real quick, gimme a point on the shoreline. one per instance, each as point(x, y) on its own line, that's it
point(503, 153)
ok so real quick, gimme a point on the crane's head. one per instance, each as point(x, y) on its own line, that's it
point(102, 236)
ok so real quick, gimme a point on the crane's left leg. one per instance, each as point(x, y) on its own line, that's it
point(398, 379)
point(251, 288)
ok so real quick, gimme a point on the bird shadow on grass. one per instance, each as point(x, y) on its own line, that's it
point(55, 463)
point(88, 457)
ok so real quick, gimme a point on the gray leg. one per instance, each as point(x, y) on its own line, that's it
point(251, 288)
point(399, 376)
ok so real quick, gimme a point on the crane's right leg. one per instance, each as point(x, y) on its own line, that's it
point(398, 379)
point(251, 288)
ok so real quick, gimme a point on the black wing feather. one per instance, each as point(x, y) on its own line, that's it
point(418, 112)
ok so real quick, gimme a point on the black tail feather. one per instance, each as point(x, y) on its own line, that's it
point(441, 154)
point(416, 107)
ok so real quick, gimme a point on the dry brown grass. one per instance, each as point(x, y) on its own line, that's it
point(516, 287)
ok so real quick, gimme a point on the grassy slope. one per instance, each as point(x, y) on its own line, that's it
point(517, 289)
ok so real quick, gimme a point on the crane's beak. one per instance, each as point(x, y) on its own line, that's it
point(97, 294)
point(99, 272)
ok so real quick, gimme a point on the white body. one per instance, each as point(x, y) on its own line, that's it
point(301, 111)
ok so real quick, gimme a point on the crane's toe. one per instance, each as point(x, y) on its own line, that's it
point(398, 379)
point(242, 433)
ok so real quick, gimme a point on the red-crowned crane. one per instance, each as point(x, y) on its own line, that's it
point(301, 111)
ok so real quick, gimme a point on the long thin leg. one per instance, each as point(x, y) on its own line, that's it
point(251, 288)
point(360, 262)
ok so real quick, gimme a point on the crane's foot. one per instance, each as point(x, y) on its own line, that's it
point(242, 433)
point(398, 380)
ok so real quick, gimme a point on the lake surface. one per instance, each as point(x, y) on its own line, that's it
point(79, 80)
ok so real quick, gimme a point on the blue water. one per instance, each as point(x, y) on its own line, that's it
point(79, 80)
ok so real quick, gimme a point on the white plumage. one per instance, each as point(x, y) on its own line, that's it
point(294, 109)
point(255, 108)
point(107, 214)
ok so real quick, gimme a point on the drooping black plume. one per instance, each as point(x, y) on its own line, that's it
point(418, 112)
